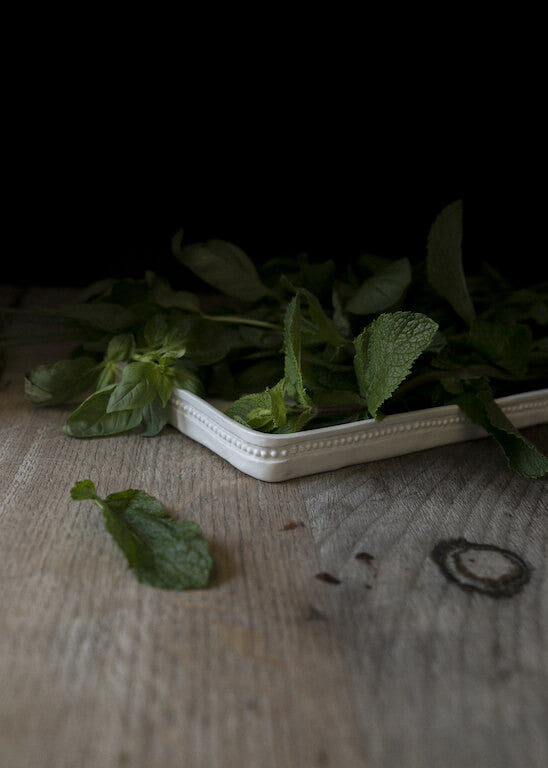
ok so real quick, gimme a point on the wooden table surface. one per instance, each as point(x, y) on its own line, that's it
point(393, 666)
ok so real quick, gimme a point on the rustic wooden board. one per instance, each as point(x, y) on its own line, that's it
point(392, 666)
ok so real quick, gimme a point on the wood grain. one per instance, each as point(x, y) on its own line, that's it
point(270, 666)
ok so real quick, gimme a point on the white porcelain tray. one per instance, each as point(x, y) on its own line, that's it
point(280, 457)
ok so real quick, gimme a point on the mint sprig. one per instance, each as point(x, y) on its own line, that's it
point(478, 402)
point(160, 551)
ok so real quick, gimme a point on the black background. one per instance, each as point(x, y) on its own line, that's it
point(81, 211)
point(288, 146)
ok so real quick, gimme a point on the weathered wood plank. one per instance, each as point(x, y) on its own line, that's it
point(440, 676)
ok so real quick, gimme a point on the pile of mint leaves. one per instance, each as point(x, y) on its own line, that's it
point(295, 344)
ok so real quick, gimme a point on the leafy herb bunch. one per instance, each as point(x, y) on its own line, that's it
point(295, 344)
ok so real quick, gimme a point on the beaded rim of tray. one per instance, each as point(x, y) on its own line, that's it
point(274, 458)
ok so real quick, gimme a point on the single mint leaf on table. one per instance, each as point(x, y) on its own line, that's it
point(478, 403)
point(161, 551)
point(385, 352)
point(444, 261)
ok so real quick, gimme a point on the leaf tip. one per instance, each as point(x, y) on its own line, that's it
point(83, 489)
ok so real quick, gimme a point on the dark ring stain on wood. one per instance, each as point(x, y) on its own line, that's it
point(483, 568)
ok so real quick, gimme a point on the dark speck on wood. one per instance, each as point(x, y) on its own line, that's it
point(327, 577)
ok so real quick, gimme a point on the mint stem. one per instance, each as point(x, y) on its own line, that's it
point(239, 320)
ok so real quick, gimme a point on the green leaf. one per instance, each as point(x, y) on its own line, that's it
point(385, 352)
point(161, 551)
point(478, 403)
point(340, 401)
point(381, 291)
point(155, 417)
point(165, 385)
point(183, 378)
point(107, 376)
point(155, 331)
point(325, 327)
point(60, 382)
point(264, 411)
point(292, 353)
point(224, 266)
point(91, 418)
point(101, 315)
point(120, 348)
point(164, 296)
point(251, 410)
point(296, 422)
point(84, 489)
point(506, 345)
point(444, 261)
point(340, 319)
point(98, 289)
point(207, 342)
point(138, 387)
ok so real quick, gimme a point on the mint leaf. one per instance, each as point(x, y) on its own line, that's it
point(207, 342)
point(292, 353)
point(296, 422)
point(155, 417)
point(108, 375)
point(187, 379)
point(155, 331)
point(385, 352)
point(444, 261)
point(381, 291)
point(161, 551)
point(222, 265)
point(264, 411)
point(478, 403)
point(326, 329)
point(91, 418)
point(101, 315)
point(164, 296)
point(84, 489)
point(138, 387)
point(120, 348)
point(60, 382)
point(504, 344)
